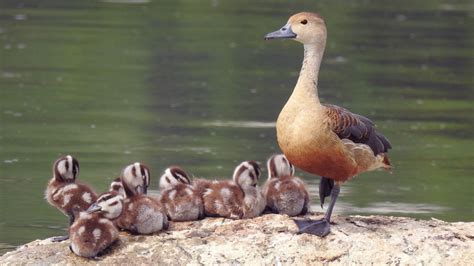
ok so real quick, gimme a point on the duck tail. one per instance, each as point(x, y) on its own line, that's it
point(386, 164)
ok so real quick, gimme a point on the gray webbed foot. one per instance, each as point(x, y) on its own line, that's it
point(320, 228)
point(60, 238)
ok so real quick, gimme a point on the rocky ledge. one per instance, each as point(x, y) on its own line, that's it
point(271, 239)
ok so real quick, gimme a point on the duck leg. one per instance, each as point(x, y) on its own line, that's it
point(320, 227)
point(66, 237)
point(325, 189)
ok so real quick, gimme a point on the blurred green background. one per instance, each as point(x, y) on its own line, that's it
point(193, 83)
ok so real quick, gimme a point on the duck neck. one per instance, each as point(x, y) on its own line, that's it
point(306, 88)
point(248, 190)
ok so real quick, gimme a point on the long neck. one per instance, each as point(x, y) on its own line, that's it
point(306, 88)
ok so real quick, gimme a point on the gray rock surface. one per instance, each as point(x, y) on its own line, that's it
point(271, 239)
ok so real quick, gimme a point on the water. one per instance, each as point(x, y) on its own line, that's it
point(193, 83)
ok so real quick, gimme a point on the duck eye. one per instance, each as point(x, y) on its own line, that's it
point(304, 22)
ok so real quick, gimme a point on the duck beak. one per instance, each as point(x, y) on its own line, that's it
point(141, 189)
point(284, 33)
point(94, 208)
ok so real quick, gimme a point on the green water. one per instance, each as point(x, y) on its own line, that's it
point(193, 83)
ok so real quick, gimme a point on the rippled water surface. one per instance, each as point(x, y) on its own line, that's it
point(193, 83)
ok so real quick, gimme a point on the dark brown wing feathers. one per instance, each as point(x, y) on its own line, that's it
point(357, 128)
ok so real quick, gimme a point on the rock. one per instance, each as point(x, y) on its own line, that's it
point(271, 239)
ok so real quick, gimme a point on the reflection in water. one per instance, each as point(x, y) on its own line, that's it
point(193, 83)
point(126, 1)
point(393, 208)
point(241, 124)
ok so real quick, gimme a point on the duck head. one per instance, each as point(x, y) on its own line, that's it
point(279, 166)
point(173, 175)
point(66, 169)
point(247, 174)
point(117, 187)
point(109, 205)
point(304, 27)
point(135, 179)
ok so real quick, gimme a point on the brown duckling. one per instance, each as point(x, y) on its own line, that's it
point(64, 193)
point(179, 198)
point(142, 214)
point(236, 199)
point(284, 192)
point(93, 231)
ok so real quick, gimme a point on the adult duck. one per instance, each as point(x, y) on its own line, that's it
point(323, 139)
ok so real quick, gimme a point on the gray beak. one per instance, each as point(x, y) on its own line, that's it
point(284, 33)
point(94, 208)
point(141, 189)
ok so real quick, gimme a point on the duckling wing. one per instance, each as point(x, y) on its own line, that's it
point(356, 128)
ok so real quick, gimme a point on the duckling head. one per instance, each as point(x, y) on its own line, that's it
point(135, 179)
point(247, 174)
point(66, 169)
point(117, 187)
point(304, 27)
point(278, 166)
point(173, 175)
point(109, 205)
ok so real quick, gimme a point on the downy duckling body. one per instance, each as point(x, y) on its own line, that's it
point(94, 231)
point(323, 139)
point(180, 200)
point(64, 193)
point(236, 199)
point(142, 214)
point(284, 192)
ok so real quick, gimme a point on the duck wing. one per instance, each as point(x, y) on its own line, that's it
point(356, 128)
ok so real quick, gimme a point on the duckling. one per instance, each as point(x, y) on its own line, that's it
point(64, 193)
point(236, 199)
point(284, 192)
point(137, 176)
point(180, 200)
point(323, 139)
point(117, 187)
point(201, 184)
point(94, 231)
point(142, 214)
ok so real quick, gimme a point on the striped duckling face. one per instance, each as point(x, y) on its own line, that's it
point(247, 174)
point(117, 187)
point(109, 205)
point(66, 169)
point(136, 179)
point(279, 166)
point(173, 175)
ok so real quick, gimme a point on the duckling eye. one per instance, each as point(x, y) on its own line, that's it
point(304, 22)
